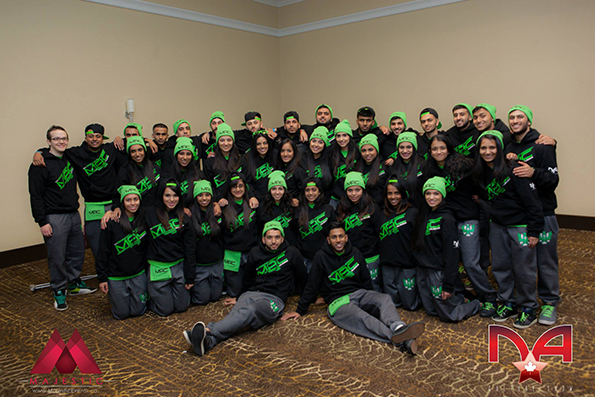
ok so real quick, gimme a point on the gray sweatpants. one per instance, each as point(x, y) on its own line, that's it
point(169, 296)
point(470, 250)
point(128, 297)
point(93, 231)
point(375, 274)
point(369, 314)
point(514, 264)
point(400, 285)
point(452, 310)
point(548, 279)
point(233, 280)
point(208, 283)
point(66, 249)
point(254, 309)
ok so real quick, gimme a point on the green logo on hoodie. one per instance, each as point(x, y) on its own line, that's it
point(97, 165)
point(432, 225)
point(283, 219)
point(353, 221)
point(129, 241)
point(526, 155)
point(240, 221)
point(315, 225)
point(66, 176)
point(273, 265)
point(341, 172)
point(159, 229)
point(496, 188)
point(263, 171)
point(392, 227)
point(344, 272)
point(465, 147)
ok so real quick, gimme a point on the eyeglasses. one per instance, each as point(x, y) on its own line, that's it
point(59, 139)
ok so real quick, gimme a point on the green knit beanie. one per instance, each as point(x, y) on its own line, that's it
point(135, 140)
point(138, 127)
point(322, 105)
point(344, 127)
point(224, 130)
point(273, 225)
point(183, 143)
point(177, 125)
point(125, 190)
point(436, 183)
point(321, 133)
point(277, 178)
point(354, 178)
point(217, 115)
point(400, 115)
point(369, 139)
point(523, 109)
point(490, 108)
point(466, 106)
point(407, 137)
point(495, 133)
point(202, 186)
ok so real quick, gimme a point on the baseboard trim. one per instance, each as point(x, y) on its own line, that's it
point(22, 255)
point(576, 222)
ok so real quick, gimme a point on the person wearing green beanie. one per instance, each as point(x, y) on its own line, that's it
point(436, 183)
point(133, 129)
point(184, 143)
point(343, 156)
point(344, 127)
point(316, 160)
point(484, 119)
point(496, 134)
point(354, 179)
point(277, 206)
point(182, 128)
point(273, 225)
point(322, 134)
point(135, 140)
point(398, 116)
point(224, 130)
point(369, 139)
point(217, 115)
point(324, 118)
point(202, 186)
point(463, 134)
point(388, 148)
point(277, 178)
point(407, 165)
point(125, 190)
point(371, 167)
point(407, 137)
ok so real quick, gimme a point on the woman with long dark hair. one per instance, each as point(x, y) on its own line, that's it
point(288, 161)
point(516, 219)
point(344, 155)
point(258, 163)
point(185, 169)
point(407, 166)
point(371, 167)
point(316, 161)
point(225, 161)
point(277, 206)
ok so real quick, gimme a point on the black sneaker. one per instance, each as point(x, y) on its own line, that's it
point(488, 309)
point(80, 288)
point(60, 300)
point(406, 332)
point(504, 312)
point(188, 336)
point(526, 319)
point(409, 346)
point(197, 338)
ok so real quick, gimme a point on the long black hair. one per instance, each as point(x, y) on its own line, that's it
point(252, 155)
point(191, 173)
point(230, 212)
point(419, 227)
point(160, 206)
point(336, 156)
point(407, 171)
point(138, 172)
point(284, 204)
point(365, 206)
point(303, 208)
point(403, 205)
point(501, 164)
point(374, 173)
point(308, 163)
point(456, 165)
point(290, 167)
point(224, 167)
point(138, 223)
point(199, 217)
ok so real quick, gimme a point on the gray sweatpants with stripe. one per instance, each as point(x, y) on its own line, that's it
point(169, 296)
point(66, 249)
point(400, 284)
point(208, 283)
point(548, 279)
point(470, 249)
point(128, 297)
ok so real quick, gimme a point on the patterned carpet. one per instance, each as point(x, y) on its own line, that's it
point(308, 357)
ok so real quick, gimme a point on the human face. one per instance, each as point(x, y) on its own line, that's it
point(170, 199)
point(369, 153)
point(225, 144)
point(203, 200)
point(488, 150)
point(461, 118)
point(393, 196)
point(131, 204)
point(184, 157)
point(316, 146)
point(94, 141)
point(439, 152)
point(238, 190)
point(397, 125)
point(277, 193)
point(160, 135)
point(433, 198)
point(254, 125)
point(58, 142)
point(262, 146)
point(323, 115)
point(365, 123)
point(287, 153)
point(482, 120)
point(312, 193)
point(183, 130)
point(215, 123)
point(354, 194)
point(273, 239)
point(131, 131)
point(428, 122)
point(518, 122)
point(342, 140)
point(337, 238)
point(137, 153)
point(291, 126)
point(406, 150)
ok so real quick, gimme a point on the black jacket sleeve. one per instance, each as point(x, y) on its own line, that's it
point(546, 170)
point(37, 176)
point(103, 253)
point(189, 238)
point(450, 253)
point(528, 194)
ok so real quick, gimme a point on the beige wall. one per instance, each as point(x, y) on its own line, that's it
point(72, 63)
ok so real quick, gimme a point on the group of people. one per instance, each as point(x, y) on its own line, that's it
point(369, 219)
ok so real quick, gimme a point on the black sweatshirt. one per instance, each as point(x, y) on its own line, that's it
point(362, 232)
point(240, 238)
point(389, 148)
point(219, 183)
point(259, 179)
point(275, 214)
point(209, 249)
point(394, 233)
point(459, 194)
point(121, 254)
point(464, 141)
point(334, 276)
point(52, 188)
point(514, 201)
point(279, 273)
point(375, 191)
point(147, 189)
point(313, 237)
point(157, 157)
point(543, 160)
point(441, 247)
point(339, 175)
point(295, 181)
point(171, 245)
point(167, 157)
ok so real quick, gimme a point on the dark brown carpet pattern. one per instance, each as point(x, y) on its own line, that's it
point(308, 357)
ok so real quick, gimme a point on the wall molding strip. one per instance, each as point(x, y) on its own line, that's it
point(278, 3)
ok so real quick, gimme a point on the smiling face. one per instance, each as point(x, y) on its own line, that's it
point(137, 154)
point(203, 200)
point(58, 142)
point(238, 190)
point(488, 150)
point(461, 118)
point(433, 198)
point(354, 194)
point(429, 123)
point(406, 151)
point(323, 116)
point(397, 125)
point(184, 157)
point(369, 153)
point(262, 146)
point(94, 141)
point(277, 193)
point(393, 196)
point(287, 153)
point(225, 144)
point(482, 120)
point(342, 139)
point(170, 199)
point(131, 204)
point(439, 152)
point(518, 122)
point(312, 193)
point(337, 238)
point(273, 239)
point(316, 146)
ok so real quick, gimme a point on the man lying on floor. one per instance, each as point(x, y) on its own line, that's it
point(274, 270)
point(340, 275)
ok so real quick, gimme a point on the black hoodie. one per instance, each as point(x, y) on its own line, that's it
point(464, 141)
point(312, 238)
point(389, 148)
point(147, 189)
point(240, 238)
point(52, 188)
point(279, 273)
point(330, 126)
point(543, 160)
point(395, 238)
point(362, 232)
point(334, 276)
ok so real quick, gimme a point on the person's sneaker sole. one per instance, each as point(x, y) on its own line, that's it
point(188, 337)
point(197, 336)
point(83, 291)
point(410, 346)
point(519, 326)
point(546, 322)
point(409, 331)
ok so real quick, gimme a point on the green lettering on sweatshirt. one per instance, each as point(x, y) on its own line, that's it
point(97, 165)
point(66, 176)
point(352, 221)
point(218, 180)
point(129, 241)
point(240, 221)
point(392, 227)
point(341, 172)
point(160, 230)
point(344, 272)
point(263, 171)
point(315, 225)
point(526, 155)
point(432, 225)
point(466, 147)
point(283, 219)
point(496, 188)
point(184, 187)
point(272, 265)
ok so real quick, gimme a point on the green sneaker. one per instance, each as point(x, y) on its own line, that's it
point(80, 288)
point(488, 309)
point(503, 313)
point(526, 319)
point(60, 300)
point(548, 315)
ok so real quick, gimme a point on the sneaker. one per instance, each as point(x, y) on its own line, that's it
point(60, 300)
point(504, 312)
point(488, 309)
point(406, 332)
point(548, 315)
point(80, 288)
point(188, 336)
point(526, 319)
point(197, 338)
point(410, 346)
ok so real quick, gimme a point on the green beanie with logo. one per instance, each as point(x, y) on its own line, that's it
point(490, 108)
point(202, 186)
point(354, 178)
point(273, 225)
point(217, 115)
point(322, 105)
point(369, 139)
point(138, 127)
point(400, 115)
point(224, 130)
point(344, 127)
point(321, 133)
point(277, 178)
point(436, 183)
point(183, 143)
point(407, 137)
point(528, 112)
point(135, 140)
point(495, 133)
point(125, 190)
